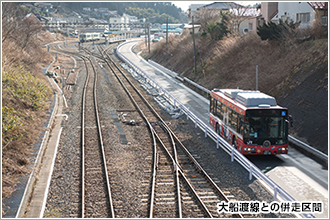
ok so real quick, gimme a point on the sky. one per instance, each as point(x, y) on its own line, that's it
point(184, 5)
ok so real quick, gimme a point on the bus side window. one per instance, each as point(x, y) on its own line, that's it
point(214, 107)
point(225, 114)
point(211, 105)
point(234, 118)
point(219, 109)
point(240, 124)
point(230, 111)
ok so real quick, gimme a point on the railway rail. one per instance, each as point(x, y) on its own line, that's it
point(96, 199)
point(190, 193)
point(95, 177)
point(179, 186)
point(166, 164)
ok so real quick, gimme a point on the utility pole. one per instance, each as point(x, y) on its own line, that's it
point(194, 43)
point(145, 33)
point(257, 78)
point(149, 37)
point(166, 36)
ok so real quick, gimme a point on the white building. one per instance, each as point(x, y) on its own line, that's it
point(295, 11)
point(122, 23)
point(305, 12)
point(119, 24)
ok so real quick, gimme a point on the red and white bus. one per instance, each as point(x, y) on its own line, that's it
point(251, 121)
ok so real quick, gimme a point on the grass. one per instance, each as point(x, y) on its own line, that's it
point(26, 97)
point(231, 62)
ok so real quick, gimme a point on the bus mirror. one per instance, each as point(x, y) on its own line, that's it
point(291, 120)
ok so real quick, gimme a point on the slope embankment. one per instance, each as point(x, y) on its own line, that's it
point(26, 100)
point(296, 74)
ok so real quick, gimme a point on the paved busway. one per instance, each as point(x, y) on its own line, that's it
point(300, 176)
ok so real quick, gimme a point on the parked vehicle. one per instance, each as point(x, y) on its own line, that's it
point(52, 74)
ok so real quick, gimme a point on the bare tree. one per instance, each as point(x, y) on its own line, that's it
point(30, 27)
point(11, 18)
point(17, 26)
point(238, 14)
point(207, 16)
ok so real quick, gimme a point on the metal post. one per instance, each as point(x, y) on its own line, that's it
point(145, 34)
point(62, 85)
point(257, 78)
point(149, 37)
point(250, 175)
point(166, 36)
point(275, 193)
point(194, 43)
point(66, 38)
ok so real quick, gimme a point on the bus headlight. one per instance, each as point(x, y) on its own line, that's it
point(249, 149)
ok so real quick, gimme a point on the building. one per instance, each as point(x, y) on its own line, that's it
point(303, 12)
point(119, 23)
point(321, 11)
point(86, 10)
point(173, 28)
point(193, 9)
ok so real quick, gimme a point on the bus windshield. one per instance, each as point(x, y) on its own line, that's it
point(262, 126)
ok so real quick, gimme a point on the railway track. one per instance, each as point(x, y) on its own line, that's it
point(96, 192)
point(166, 189)
point(96, 199)
point(179, 186)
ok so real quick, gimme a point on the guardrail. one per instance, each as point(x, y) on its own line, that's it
point(220, 142)
point(316, 154)
point(204, 90)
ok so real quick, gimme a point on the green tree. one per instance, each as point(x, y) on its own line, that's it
point(273, 31)
point(150, 15)
point(219, 30)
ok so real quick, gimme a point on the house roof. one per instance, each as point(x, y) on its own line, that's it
point(246, 11)
point(220, 5)
point(317, 5)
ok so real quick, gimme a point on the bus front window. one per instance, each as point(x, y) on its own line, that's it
point(265, 128)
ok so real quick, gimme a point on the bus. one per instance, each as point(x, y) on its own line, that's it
point(250, 121)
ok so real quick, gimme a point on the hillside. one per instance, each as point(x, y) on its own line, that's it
point(295, 73)
point(121, 7)
point(26, 93)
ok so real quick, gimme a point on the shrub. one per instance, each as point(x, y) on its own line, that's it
point(22, 89)
point(273, 31)
point(219, 30)
point(23, 86)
